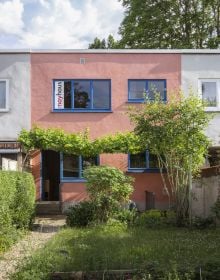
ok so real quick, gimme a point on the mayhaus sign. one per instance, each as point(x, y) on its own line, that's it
point(59, 94)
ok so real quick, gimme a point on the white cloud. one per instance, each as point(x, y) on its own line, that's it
point(66, 24)
point(11, 17)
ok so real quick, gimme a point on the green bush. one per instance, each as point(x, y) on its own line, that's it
point(156, 218)
point(17, 202)
point(126, 216)
point(108, 189)
point(81, 214)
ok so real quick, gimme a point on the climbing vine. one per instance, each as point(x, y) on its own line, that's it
point(78, 143)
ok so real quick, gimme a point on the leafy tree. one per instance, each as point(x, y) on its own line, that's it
point(175, 133)
point(170, 24)
point(110, 43)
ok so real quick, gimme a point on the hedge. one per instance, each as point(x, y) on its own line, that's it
point(17, 204)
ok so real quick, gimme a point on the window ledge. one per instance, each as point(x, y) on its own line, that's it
point(81, 111)
point(212, 109)
point(73, 180)
point(149, 170)
point(142, 101)
point(4, 110)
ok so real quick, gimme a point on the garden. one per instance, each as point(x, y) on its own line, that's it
point(106, 237)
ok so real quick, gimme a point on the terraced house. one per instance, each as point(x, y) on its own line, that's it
point(79, 89)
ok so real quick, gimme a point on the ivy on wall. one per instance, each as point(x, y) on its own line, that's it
point(78, 143)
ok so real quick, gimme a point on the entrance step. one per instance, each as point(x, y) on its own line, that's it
point(48, 208)
point(49, 223)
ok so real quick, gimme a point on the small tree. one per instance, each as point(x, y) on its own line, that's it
point(174, 132)
point(108, 188)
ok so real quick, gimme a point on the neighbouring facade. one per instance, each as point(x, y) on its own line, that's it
point(92, 89)
point(14, 105)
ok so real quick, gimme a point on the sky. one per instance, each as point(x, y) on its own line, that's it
point(57, 24)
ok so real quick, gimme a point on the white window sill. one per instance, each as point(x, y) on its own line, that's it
point(4, 110)
point(212, 109)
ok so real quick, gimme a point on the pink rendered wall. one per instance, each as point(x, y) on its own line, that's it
point(116, 67)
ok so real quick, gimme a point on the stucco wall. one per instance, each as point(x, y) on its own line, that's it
point(118, 68)
point(202, 66)
point(15, 68)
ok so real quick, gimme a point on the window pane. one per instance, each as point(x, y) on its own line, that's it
point(81, 94)
point(138, 161)
point(209, 93)
point(101, 95)
point(153, 162)
point(67, 95)
point(2, 94)
point(89, 161)
point(156, 88)
point(137, 89)
point(8, 161)
point(70, 166)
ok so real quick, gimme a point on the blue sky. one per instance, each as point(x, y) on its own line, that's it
point(57, 24)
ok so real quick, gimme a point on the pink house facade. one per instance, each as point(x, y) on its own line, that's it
point(79, 90)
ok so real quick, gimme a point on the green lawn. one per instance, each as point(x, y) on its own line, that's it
point(104, 248)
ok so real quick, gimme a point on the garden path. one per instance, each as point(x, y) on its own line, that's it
point(44, 229)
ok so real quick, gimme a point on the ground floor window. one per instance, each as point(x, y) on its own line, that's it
point(143, 162)
point(8, 161)
point(72, 166)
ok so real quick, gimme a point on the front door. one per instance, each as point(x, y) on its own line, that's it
point(50, 175)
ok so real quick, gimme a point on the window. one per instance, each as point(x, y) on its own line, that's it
point(142, 162)
point(82, 95)
point(210, 93)
point(72, 166)
point(139, 90)
point(8, 161)
point(4, 89)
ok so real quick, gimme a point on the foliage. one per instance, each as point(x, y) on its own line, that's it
point(126, 216)
point(110, 43)
point(17, 200)
point(155, 252)
point(81, 214)
point(203, 223)
point(174, 132)
point(170, 24)
point(155, 218)
point(108, 189)
point(78, 143)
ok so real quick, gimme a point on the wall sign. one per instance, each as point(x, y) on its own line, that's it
point(59, 94)
point(9, 145)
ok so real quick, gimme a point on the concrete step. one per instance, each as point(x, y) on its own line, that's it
point(49, 223)
point(48, 208)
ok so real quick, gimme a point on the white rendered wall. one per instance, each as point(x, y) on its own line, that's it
point(202, 66)
point(15, 68)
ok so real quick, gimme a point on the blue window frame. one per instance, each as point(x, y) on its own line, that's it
point(79, 95)
point(143, 162)
point(72, 166)
point(142, 89)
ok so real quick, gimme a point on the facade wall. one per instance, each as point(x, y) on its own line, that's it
point(16, 69)
point(202, 66)
point(118, 68)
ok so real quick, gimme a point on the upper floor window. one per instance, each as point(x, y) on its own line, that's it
point(210, 93)
point(140, 90)
point(82, 95)
point(4, 92)
point(72, 166)
point(142, 162)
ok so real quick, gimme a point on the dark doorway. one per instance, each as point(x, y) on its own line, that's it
point(50, 175)
point(150, 200)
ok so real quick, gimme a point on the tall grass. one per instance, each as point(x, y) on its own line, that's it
point(105, 248)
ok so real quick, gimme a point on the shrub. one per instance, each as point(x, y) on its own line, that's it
point(126, 216)
point(156, 218)
point(203, 223)
point(108, 188)
point(17, 201)
point(81, 214)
